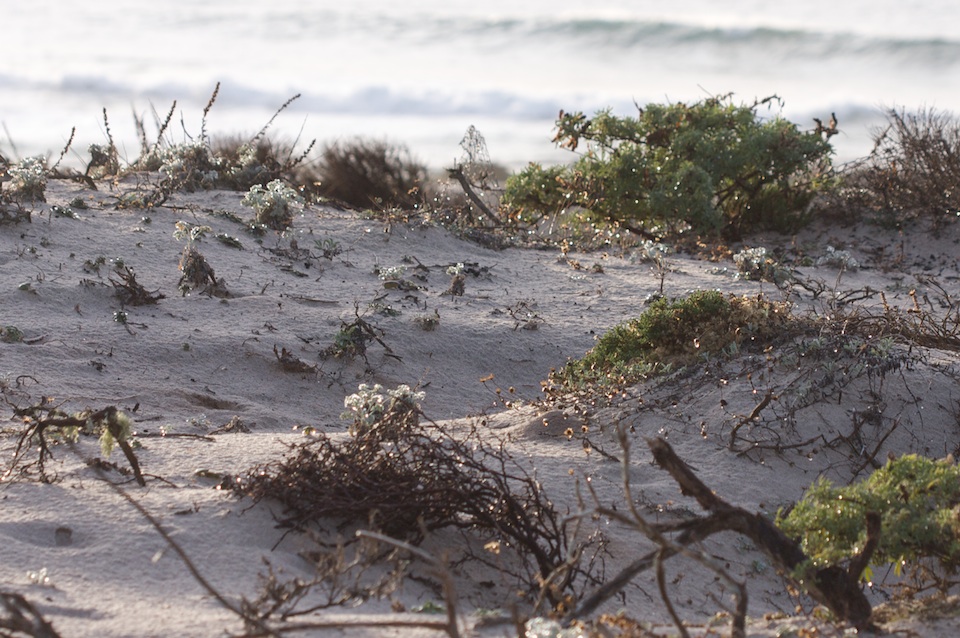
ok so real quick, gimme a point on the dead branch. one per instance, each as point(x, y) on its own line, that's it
point(750, 418)
point(130, 292)
point(831, 586)
point(667, 548)
point(191, 567)
point(40, 418)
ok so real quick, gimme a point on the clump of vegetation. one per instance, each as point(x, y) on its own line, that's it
point(712, 165)
point(912, 171)
point(458, 281)
point(198, 274)
point(841, 259)
point(11, 334)
point(427, 323)
point(397, 476)
point(673, 333)
point(353, 338)
point(756, 264)
point(917, 500)
point(28, 180)
point(371, 173)
point(274, 204)
point(131, 292)
point(370, 407)
point(104, 161)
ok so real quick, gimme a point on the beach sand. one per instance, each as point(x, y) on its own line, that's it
point(94, 565)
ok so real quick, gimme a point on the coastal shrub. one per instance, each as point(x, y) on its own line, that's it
point(918, 500)
point(913, 170)
point(673, 333)
point(371, 173)
point(202, 163)
point(713, 165)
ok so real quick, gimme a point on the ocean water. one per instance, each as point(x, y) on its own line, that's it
point(421, 72)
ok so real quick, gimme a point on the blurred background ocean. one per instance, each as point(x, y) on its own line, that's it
point(420, 72)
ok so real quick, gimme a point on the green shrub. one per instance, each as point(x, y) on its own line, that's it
point(673, 333)
point(713, 164)
point(917, 498)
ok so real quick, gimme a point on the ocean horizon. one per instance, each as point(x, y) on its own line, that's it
point(422, 73)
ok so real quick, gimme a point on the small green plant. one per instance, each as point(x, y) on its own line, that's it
point(328, 247)
point(391, 273)
point(63, 211)
point(917, 499)
point(673, 333)
point(371, 407)
point(92, 266)
point(229, 240)
point(274, 204)
point(713, 165)
point(11, 334)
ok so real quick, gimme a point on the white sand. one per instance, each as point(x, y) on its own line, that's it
point(189, 364)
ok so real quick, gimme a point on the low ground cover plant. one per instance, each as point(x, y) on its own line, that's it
point(713, 165)
point(672, 333)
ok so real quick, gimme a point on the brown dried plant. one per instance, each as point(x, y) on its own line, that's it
point(408, 480)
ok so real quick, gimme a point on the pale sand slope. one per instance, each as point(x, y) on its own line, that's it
point(188, 364)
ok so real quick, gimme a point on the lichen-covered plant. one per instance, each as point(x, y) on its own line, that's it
point(274, 204)
point(713, 165)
